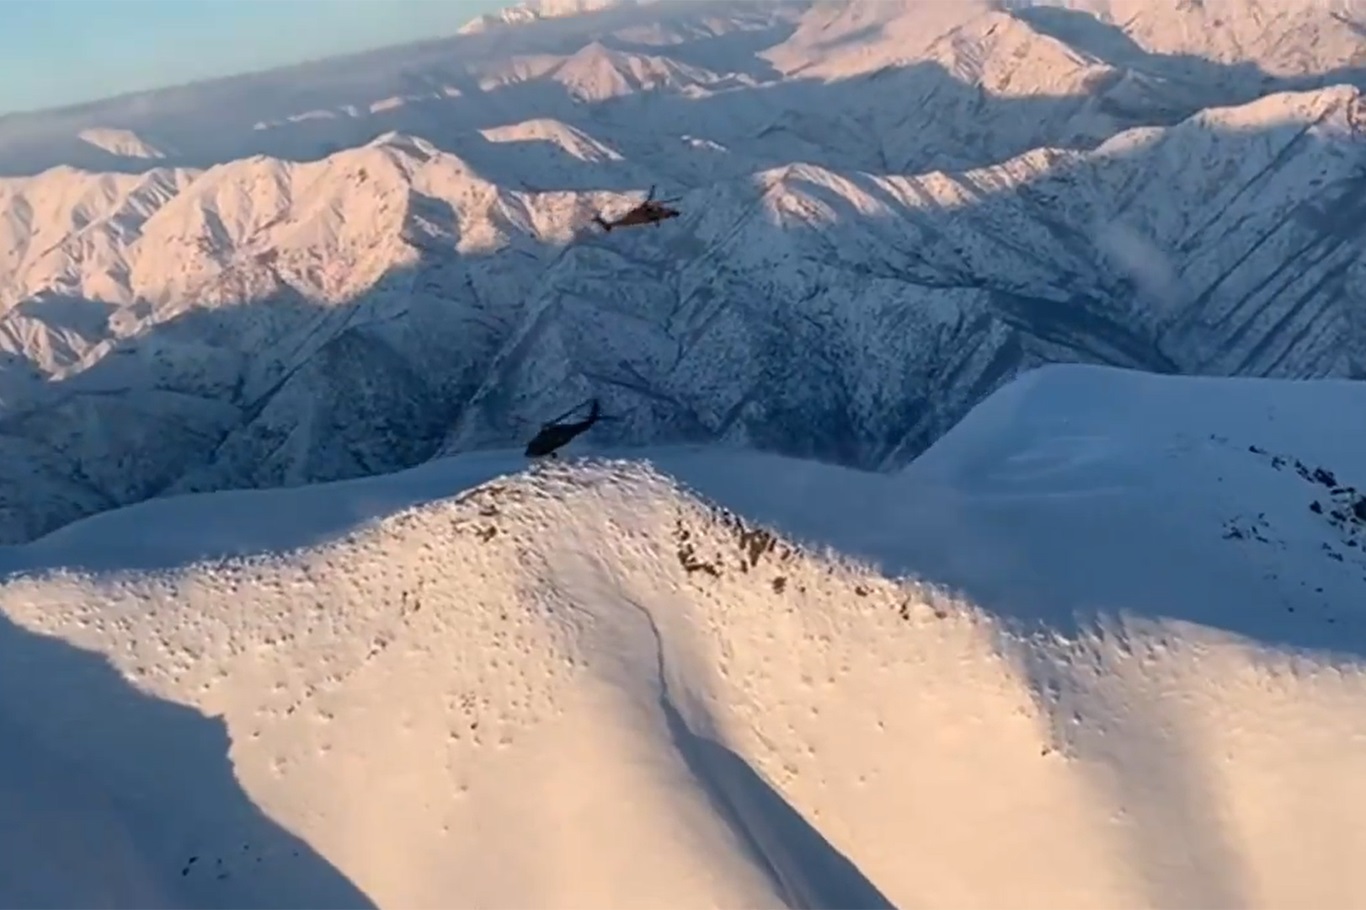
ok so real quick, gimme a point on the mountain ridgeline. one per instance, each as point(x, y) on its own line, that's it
point(889, 211)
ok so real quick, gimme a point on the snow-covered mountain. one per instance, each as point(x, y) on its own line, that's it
point(890, 209)
point(536, 10)
point(1103, 638)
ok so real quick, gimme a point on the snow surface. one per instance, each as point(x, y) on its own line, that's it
point(1094, 648)
point(890, 209)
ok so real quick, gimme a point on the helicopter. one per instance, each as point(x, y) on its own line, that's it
point(650, 211)
point(556, 434)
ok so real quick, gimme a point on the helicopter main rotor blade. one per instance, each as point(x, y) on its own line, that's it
point(567, 413)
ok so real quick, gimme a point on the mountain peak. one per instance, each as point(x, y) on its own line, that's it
point(121, 142)
point(534, 10)
point(499, 664)
point(945, 196)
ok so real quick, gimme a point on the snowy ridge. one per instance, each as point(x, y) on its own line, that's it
point(121, 143)
point(410, 673)
point(535, 10)
point(890, 209)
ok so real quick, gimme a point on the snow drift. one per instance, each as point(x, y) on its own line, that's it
point(1039, 651)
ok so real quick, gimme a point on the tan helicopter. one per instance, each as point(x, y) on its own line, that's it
point(650, 211)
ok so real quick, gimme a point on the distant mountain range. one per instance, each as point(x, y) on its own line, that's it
point(890, 209)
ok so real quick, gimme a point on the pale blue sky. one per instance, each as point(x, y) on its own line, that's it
point(60, 52)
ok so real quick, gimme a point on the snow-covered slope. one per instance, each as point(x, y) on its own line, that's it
point(889, 210)
point(1103, 639)
point(536, 10)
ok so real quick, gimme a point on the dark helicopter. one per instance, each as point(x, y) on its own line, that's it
point(557, 433)
point(650, 211)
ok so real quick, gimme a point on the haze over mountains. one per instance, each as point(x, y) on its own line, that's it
point(890, 210)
